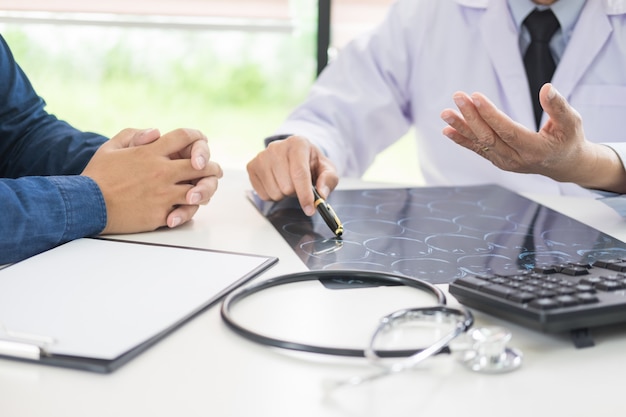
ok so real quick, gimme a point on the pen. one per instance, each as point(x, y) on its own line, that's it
point(328, 214)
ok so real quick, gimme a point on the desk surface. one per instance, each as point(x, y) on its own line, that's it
point(205, 369)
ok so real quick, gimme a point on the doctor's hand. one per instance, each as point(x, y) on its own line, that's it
point(149, 181)
point(290, 166)
point(559, 150)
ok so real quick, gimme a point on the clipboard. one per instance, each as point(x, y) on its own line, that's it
point(94, 304)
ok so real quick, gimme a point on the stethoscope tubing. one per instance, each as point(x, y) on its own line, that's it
point(364, 276)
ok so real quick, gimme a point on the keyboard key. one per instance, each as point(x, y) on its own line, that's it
point(499, 290)
point(518, 278)
point(602, 263)
point(566, 291)
point(617, 266)
point(584, 288)
point(610, 277)
point(471, 282)
point(544, 303)
point(566, 300)
point(529, 288)
point(545, 269)
point(545, 293)
point(593, 281)
point(522, 297)
point(587, 298)
point(608, 285)
point(500, 280)
point(574, 270)
point(549, 286)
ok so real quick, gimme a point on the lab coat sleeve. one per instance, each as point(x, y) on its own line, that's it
point(360, 103)
point(620, 149)
point(616, 201)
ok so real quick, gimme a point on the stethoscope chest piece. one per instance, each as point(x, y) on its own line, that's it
point(488, 351)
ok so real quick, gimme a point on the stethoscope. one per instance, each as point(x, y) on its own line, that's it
point(485, 349)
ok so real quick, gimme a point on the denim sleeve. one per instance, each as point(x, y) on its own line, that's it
point(43, 200)
point(39, 213)
point(32, 141)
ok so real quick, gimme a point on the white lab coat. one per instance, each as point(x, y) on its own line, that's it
point(405, 72)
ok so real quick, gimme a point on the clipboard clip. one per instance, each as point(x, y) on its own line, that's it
point(23, 345)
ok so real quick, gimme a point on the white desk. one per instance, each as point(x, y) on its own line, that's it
point(204, 369)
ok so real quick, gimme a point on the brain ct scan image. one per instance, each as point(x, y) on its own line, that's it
point(438, 234)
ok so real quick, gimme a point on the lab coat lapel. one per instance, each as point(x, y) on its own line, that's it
point(592, 31)
point(500, 37)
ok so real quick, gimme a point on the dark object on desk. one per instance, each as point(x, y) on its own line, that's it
point(328, 214)
point(439, 305)
point(552, 298)
point(439, 234)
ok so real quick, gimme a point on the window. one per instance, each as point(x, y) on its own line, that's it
point(254, 9)
point(231, 68)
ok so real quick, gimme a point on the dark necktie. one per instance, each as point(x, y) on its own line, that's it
point(538, 59)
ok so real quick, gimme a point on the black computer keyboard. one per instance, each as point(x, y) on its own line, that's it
point(551, 298)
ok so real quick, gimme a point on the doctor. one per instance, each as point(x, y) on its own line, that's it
point(406, 71)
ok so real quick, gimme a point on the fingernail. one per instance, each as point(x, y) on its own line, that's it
point(195, 198)
point(201, 161)
point(552, 92)
point(146, 132)
point(459, 101)
point(176, 221)
point(449, 120)
point(309, 210)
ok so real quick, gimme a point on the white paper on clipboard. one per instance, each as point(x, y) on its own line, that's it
point(95, 298)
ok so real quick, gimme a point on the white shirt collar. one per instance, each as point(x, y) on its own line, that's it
point(611, 7)
point(566, 11)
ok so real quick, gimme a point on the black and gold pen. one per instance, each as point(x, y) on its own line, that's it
point(328, 214)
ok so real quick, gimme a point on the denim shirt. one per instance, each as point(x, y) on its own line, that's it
point(44, 201)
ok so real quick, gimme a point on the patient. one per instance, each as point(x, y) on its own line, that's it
point(58, 183)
